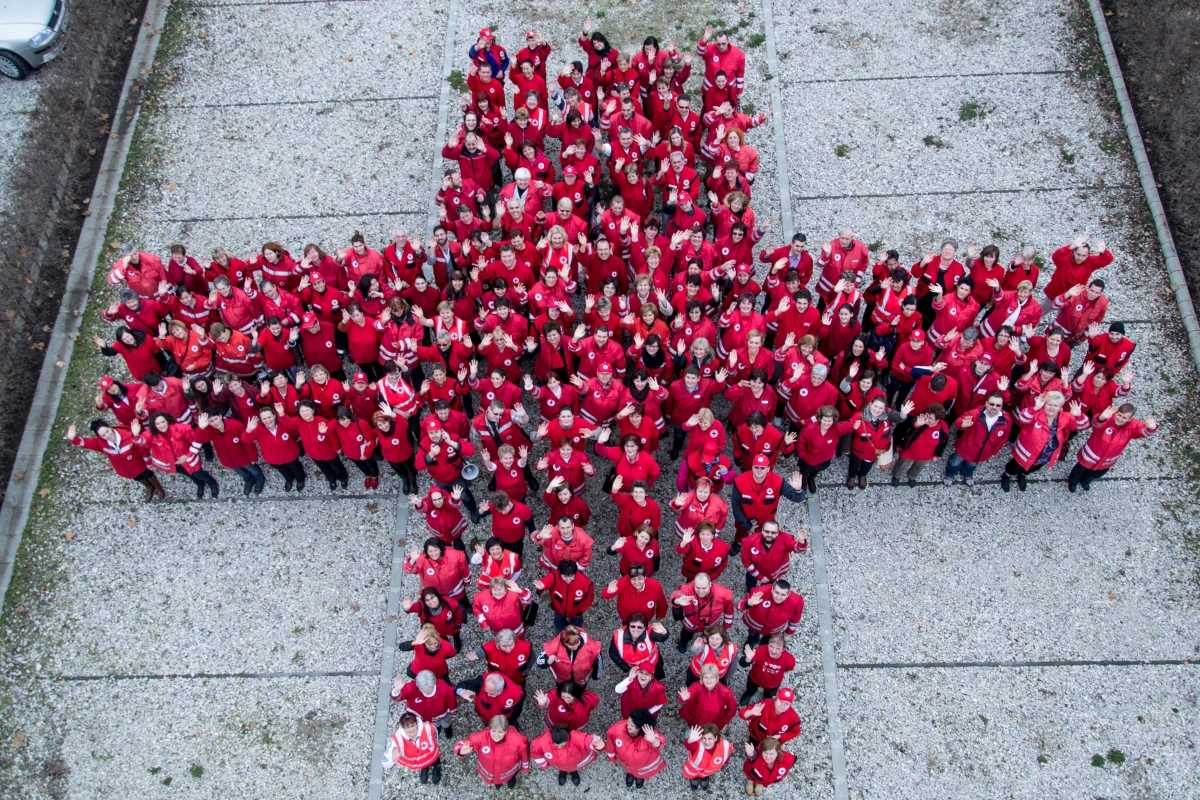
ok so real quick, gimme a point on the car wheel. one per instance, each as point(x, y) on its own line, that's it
point(13, 66)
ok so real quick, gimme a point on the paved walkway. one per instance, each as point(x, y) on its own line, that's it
point(960, 643)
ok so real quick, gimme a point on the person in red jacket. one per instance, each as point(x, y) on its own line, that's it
point(768, 664)
point(770, 609)
point(278, 439)
point(414, 746)
point(982, 434)
point(1042, 433)
point(127, 457)
point(1112, 431)
point(430, 652)
point(708, 753)
point(756, 496)
point(571, 593)
point(871, 437)
point(637, 594)
point(773, 717)
point(702, 551)
point(699, 604)
point(1080, 307)
point(635, 745)
point(928, 436)
point(234, 449)
point(503, 606)
point(446, 618)
point(430, 699)
point(1075, 264)
point(1109, 351)
point(767, 554)
point(321, 444)
point(766, 765)
point(444, 568)
point(567, 751)
point(569, 705)
point(707, 702)
point(502, 752)
point(494, 695)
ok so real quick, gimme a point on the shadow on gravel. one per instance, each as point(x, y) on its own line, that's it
point(51, 183)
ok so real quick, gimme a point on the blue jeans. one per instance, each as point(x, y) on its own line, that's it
point(955, 465)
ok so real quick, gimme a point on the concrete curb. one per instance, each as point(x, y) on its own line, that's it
point(1141, 160)
point(27, 466)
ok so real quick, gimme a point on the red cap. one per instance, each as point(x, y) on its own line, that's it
point(604, 367)
point(486, 33)
point(744, 267)
point(917, 334)
point(531, 34)
point(433, 424)
point(986, 357)
point(360, 377)
point(570, 169)
point(105, 382)
point(309, 319)
point(761, 460)
point(786, 695)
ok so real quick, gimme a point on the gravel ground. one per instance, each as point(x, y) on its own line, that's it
point(173, 594)
point(1021, 733)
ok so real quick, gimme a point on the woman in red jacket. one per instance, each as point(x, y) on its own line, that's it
point(502, 752)
point(569, 705)
point(175, 447)
point(712, 647)
point(430, 652)
point(396, 448)
point(702, 551)
point(630, 464)
point(708, 753)
point(1112, 431)
point(359, 441)
point(278, 438)
point(635, 745)
point(414, 746)
point(817, 445)
point(929, 435)
point(126, 456)
point(446, 618)
point(708, 702)
point(765, 765)
point(139, 350)
point(234, 449)
point(321, 444)
point(444, 568)
point(870, 437)
point(1042, 431)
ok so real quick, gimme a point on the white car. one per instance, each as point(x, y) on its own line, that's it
point(31, 33)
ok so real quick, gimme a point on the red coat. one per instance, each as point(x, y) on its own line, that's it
point(502, 704)
point(768, 617)
point(575, 667)
point(692, 512)
point(768, 672)
point(784, 727)
point(496, 615)
point(572, 716)
point(652, 697)
point(643, 467)
point(1108, 441)
point(703, 763)
point(695, 559)
point(651, 601)
point(571, 598)
point(768, 563)
point(868, 441)
point(715, 608)
point(448, 574)
point(571, 756)
point(232, 446)
point(714, 706)
point(976, 444)
point(635, 754)
point(513, 663)
point(1067, 273)
point(1004, 305)
point(443, 701)
point(497, 762)
point(925, 441)
point(447, 522)
point(417, 753)
point(1034, 435)
point(814, 447)
point(127, 457)
point(631, 516)
point(759, 501)
point(756, 770)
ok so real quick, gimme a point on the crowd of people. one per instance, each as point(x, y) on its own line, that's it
point(590, 308)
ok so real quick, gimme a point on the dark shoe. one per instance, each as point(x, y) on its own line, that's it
point(512, 782)
point(562, 778)
point(912, 483)
point(862, 482)
point(575, 779)
point(425, 775)
point(1072, 485)
point(200, 492)
point(215, 490)
point(148, 493)
point(435, 772)
point(1087, 487)
point(346, 483)
point(694, 785)
point(1022, 484)
point(810, 484)
point(288, 484)
point(895, 479)
point(849, 483)
point(639, 782)
point(301, 483)
point(705, 784)
point(258, 487)
point(247, 488)
point(333, 486)
point(628, 781)
point(1006, 482)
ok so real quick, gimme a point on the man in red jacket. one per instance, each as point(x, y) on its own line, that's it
point(565, 750)
point(768, 664)
point(756, 496)
point(698, 604)
point(1112, 431)
point(770, 609)
point(982, 433)
point(571, 593)
point(774, 717)
point(494, 695)
point(767, 554)
point(637, 594)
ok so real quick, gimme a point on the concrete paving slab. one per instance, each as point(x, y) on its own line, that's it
point(314, 52)
point(970, 580)
point(264, 587)
point(942, 134)
point(1021, 733)
point(273, 162)
point(217, 738)
point(847, 41)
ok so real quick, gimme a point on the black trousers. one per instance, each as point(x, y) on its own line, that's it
point(333, 469)
point(367, 466)
point(292, 472)
point(857, 468)
point(1084, 476)
point(204, 479)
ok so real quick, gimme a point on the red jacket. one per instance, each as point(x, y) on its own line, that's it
point(636, 755)
point(715, 608)
point(868, 441)
point(768, 722)
point(702, 763)
point(447, 522)
point(1067, 273)
point(768, 672)
point(650, 602)
point(512, 664)
point(574, 666)
point(417, 753)
point(502, 704)
point(770, 562)
point(570, 598)
point(695, 559)
point(1034, 435)
point(443, 701)
point(756, 770)
point(281, 446)
point(759, 501)
point(631, 516)
point(652, 696)
point(1004, 305)
point(496, 615)
point(925, 441)
point(127, 457)
point(976, 444)
point(572, 716)
point(814, 447)
point(714, 706)
point(1108, 441)
point(232, 446)
point(571, 756)
point(498, 762)
point(768, 617)
point(448, 574)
